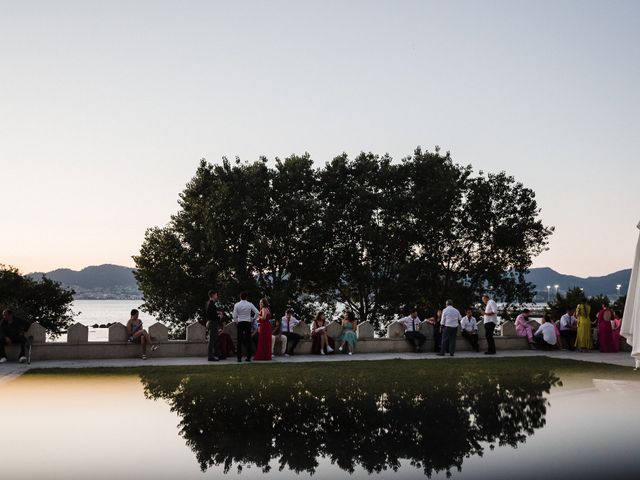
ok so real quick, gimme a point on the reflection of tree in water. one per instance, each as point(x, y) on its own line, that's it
point(232, 421)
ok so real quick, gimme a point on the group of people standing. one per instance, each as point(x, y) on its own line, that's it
point(445, 328)
point(258, 332)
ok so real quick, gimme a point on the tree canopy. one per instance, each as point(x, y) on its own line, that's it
point(366, 233)
point(43, 301)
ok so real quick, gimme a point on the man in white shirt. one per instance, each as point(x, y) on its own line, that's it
point(568, 328)
point(450, 321)
point(490, 321)
point(243, 311)
point(286, 327)
point(414, 337)
point(469, 327)
point(545, 336)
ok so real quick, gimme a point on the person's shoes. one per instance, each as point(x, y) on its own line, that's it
point(440, 354)
point(322, 352)
point(154, 348)
point(489, 353)
point(22, 359)
point(3, 360)
point(248, 360)
point(350, 353)
point(213, 359)
point(329, 349)
point(451, 354)
point(239, 360)
point(419, 350)
point(286, 354)
point(144, 357)
point(415, 350)
point(339, 349)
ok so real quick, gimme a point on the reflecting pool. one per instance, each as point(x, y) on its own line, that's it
point(400, 419)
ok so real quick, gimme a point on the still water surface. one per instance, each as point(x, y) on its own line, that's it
point(211, 423)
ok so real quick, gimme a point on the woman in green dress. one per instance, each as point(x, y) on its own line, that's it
point(583, 334)
point(349, 337)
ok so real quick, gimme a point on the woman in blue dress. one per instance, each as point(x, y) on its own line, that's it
point(349, 337)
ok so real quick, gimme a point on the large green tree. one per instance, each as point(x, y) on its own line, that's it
point(43, 301)
point(365, 233)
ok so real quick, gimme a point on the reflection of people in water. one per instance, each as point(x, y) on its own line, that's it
point(403, 419)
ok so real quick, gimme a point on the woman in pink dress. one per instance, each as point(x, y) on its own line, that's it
point(263, 352)
point(615, 330)
point(605, 335)
point(523, 329)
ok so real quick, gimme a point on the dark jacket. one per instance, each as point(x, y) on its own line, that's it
point(211, 313)
point(14, 328)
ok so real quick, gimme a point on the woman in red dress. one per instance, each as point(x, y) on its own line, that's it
point(605, 335)
point(263, 352)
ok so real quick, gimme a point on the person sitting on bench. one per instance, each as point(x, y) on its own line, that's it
point(137, 334)
point(287, 325)
point(12, 331)
point(545, 336)
point(412, 334)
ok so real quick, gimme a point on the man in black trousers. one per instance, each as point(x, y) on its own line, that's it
point(243, 311)
point(213, 326)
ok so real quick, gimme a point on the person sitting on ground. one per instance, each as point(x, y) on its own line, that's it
point(276, 334)
point(545, 336)
point(412, 335)
point(137, 334)
point(568, 327)
point(321, 343)
point(349, 337)
point(12, 331)
point(469, 327)
point(523, 329)
point(286, 326)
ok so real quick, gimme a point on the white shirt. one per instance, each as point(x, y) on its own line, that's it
point(469, 324)
point(410, 323)
point(287, 326)
point(492, 308)
point(548, 333)
point(450, 317)
point(242, 311)
point(567, 321)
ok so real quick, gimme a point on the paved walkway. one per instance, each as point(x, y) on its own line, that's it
point(9, 371)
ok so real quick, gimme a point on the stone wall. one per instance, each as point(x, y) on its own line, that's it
point(78, 345)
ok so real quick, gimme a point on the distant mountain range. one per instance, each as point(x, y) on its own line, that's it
point(114, 281)
point(97, 282)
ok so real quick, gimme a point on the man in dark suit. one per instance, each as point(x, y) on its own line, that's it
point(213, 326)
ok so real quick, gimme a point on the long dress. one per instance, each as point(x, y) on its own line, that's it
point(615, 333)
point(349, 336)
point(605, 335)
point(583, 332)
point(263, 352)
point(315, 337)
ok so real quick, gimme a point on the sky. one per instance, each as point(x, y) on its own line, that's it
point(106, 109)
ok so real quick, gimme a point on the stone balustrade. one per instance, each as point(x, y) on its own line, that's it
point(78, 345)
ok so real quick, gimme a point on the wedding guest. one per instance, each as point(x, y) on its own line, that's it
point(568, 326)
point(412, 334)
point(263, 351)
point(349, 337)
point(276, 334)
point(437, 330)
point(583, 330)
point(490, 322)
point(12, 331)
point(225, 342)
point(450, 321)
point(137, 334)
point(211, 314)
point(469, 327)
point(321, 343)
point(605, 335)
point(545, 336)
point(523, 329)
point(616, 323)
point(243, 314)
point(287, 325)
